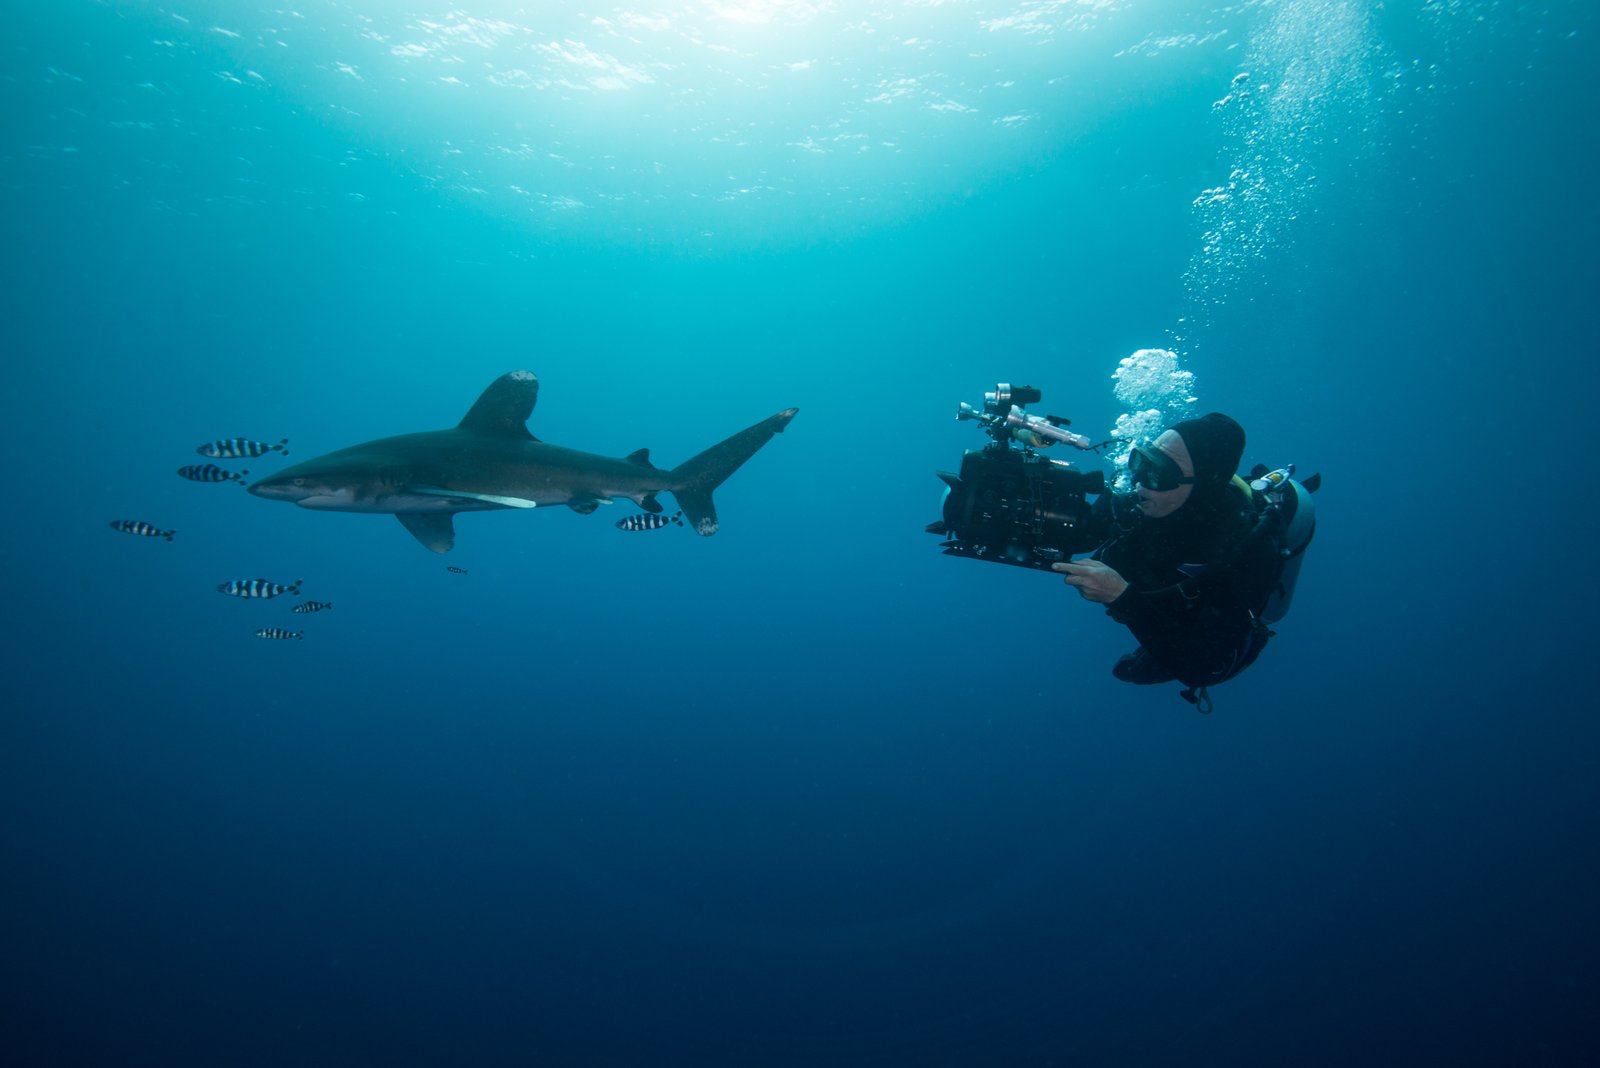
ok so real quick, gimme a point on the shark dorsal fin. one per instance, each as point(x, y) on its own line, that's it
point(503, 409)
point(640, 457)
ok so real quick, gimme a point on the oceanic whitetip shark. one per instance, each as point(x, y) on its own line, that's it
point(490, 461)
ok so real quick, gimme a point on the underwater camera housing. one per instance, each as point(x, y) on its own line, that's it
point(1009, 504)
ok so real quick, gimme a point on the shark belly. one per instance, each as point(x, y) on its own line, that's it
point(398, 503)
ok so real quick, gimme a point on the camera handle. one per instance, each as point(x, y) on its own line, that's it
point(1045, 431)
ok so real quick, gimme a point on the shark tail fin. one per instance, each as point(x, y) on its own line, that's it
point(696, 477)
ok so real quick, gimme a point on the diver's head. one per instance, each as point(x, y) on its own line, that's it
point(1163, 475)
point(1196, 458)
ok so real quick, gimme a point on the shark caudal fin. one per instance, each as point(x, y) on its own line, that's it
point(695, 478)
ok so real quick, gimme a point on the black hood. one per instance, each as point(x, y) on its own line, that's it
point(1216, 445)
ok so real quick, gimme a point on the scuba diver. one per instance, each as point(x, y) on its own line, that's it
point(1187, 562)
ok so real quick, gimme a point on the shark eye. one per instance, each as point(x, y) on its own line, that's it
point(299, 482)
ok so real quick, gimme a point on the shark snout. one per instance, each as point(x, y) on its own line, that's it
point(276, 489)
point(292, 488)
point(309, 491)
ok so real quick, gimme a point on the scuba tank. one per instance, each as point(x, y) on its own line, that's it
point(1289, 517)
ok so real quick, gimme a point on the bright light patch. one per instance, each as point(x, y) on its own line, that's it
point(768, 119)
point(764, 12)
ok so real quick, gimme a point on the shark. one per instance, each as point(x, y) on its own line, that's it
point(490, 462)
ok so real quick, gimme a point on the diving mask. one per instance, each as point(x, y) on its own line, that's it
point(1155, 470)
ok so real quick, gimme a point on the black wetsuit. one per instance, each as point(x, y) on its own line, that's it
point(1197, 582)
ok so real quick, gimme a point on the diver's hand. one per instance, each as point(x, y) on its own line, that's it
point(1094, 580)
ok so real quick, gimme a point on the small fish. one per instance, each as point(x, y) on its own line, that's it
point(140, 527)
point(312, 606)
point(239, 448)
point(250, 588)
point(279, 634)
point(455, 570)
point(210, 473)
point(646, 521)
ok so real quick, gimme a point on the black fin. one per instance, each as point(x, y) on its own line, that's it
point(649, 503)
point(1258, 470)
point(1312, 483)
point(434, 530)
point(584, 505)
point(502, 410)
point(642, 458)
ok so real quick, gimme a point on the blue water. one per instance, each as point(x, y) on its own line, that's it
point(806, 792)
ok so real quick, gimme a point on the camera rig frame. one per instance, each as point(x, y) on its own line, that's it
point(1008, 504)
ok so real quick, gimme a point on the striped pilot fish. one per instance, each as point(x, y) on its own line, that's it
point(141, 528)
point(251, 588)
point(279, 634)
point(646, 521)
point(210, 473)
point(312, 606)
point(239, 448)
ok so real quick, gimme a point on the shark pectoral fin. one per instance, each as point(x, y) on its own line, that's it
point(463, 495)
point(433, 529)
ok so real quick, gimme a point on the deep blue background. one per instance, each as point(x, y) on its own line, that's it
point(806, 792)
